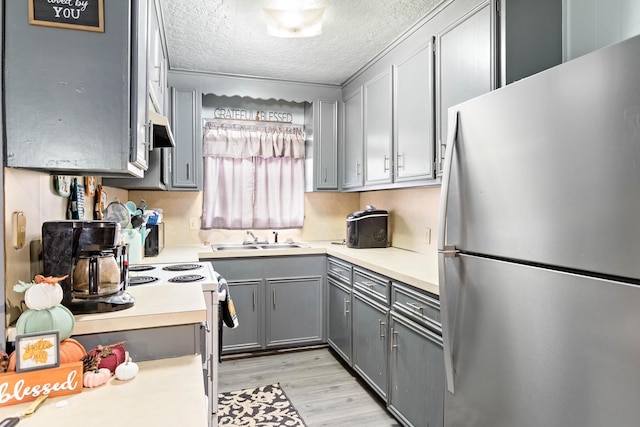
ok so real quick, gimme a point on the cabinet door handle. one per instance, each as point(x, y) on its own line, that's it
point(346, 307)
point(274, 299)
point(400, 164)
point(386, 163)
point(358, 168)
point(254, 299)
point(148, 131)
point(394, 339)
point(324, 174)
point(415, 307)
point(381, 326)
point(188, 171)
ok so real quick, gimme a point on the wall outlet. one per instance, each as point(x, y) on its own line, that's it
point(194, 223)
point(427, 235)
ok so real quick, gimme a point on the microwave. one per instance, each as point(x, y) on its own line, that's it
point(154, 243)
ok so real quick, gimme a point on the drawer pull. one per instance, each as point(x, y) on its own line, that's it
point(415, 307)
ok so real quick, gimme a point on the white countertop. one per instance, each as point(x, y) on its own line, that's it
point(155, 306)
point(166, 392)
point(413, 268)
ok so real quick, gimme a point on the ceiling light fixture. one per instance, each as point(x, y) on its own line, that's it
point(294, 22)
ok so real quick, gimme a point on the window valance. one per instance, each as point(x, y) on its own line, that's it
point(242, 141)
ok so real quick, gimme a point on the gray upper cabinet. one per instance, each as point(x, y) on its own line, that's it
point(465, 64)
point(71, 95)
point(186, 157)
point(352, 164)
point(592, 24)
point(378, 135)
point(157, 59)
point(413, 116)
point(530, 37)
point(326, 144)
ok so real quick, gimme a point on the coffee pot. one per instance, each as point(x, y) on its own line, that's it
point(96, 275)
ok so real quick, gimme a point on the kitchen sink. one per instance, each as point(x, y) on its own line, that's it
point(283, 246)
point(234, 247)
point(255, 247)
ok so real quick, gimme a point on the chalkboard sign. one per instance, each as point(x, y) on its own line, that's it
point(86, 15)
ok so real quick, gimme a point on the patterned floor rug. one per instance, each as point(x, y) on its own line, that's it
point(266, 406)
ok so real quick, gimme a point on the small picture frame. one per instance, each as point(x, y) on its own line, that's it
point(37, 351)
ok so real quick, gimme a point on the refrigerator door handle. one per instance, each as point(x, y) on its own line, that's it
point(445, 251)
point(452, 134)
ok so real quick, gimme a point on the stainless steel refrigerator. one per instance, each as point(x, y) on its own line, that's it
point(540, 249)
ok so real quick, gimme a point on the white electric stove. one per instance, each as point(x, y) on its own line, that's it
point(197, 272)
point(163, 274)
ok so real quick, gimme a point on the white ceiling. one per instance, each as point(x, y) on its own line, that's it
point(229, 37)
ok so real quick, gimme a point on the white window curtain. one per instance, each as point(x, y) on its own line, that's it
point(253, 177)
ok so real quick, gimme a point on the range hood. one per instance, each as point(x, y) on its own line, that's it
point(162, 136)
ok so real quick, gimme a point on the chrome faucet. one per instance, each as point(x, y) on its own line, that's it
point(255, 239)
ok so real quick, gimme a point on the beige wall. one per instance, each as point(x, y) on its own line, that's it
point(325, 215)
point(411, 212)
point(33, 194)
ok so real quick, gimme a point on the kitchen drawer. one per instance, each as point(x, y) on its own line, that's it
point(416, 305)
point(371, 284)
point(339, 270)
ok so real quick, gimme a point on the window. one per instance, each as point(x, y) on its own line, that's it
point(253, 177)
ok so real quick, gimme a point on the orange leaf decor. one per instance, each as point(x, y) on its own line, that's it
point(37, 351)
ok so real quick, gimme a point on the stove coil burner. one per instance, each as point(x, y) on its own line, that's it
point(141, 267)
point(141, 280)
point(186, 278)
point(182, 267)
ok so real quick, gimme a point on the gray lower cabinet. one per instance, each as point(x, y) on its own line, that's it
point(370, 341)
point(248, 303)
point(417, 382)
point(295, 311)
point(339, 318)
point(279, 301)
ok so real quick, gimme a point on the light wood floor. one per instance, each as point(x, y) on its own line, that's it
point(321, 389)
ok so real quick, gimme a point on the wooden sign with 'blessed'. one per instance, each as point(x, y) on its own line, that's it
point(27, 386)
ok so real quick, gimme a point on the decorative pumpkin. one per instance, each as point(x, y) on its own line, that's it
point(127, 370)
point(43, 295)
point(96, 378)
point(70, 351)
point(50, 319)
point(110, 355)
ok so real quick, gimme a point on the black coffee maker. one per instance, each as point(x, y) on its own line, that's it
point(89, 252)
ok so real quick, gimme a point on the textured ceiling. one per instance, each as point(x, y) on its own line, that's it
point(229, 37)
